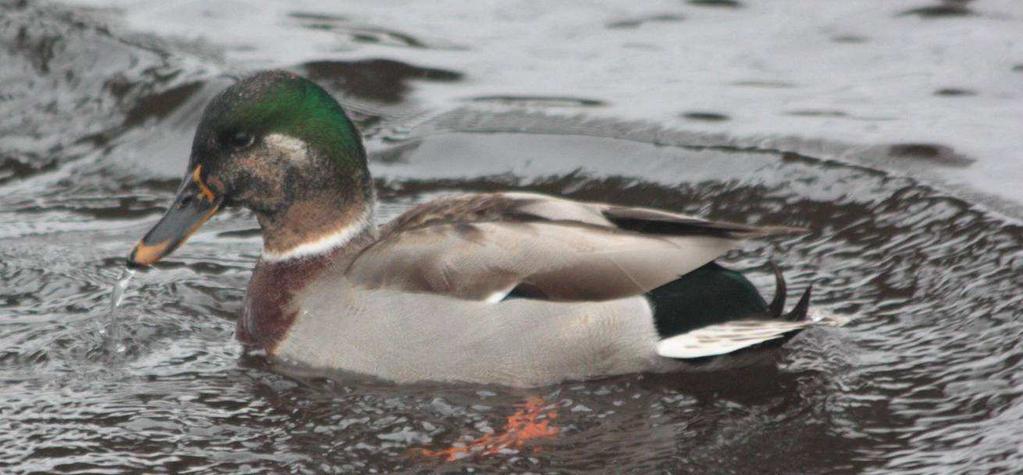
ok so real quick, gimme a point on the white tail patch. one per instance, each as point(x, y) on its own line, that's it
point(497, 296)
point(727, 337)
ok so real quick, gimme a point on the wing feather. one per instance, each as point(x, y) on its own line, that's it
point(560, 260)
point(480, 246)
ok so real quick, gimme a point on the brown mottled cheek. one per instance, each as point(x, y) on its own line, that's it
point(259, 180)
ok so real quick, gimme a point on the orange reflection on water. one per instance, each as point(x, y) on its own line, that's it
point(531, 420)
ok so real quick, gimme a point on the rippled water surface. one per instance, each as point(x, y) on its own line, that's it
point(903, 171)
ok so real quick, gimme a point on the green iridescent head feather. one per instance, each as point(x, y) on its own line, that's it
point(283, 103)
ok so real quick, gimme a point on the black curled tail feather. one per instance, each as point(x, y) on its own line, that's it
point(714, 294)
point(778, 302)
point(709, 295)
point(777, 306)
point(799, 312)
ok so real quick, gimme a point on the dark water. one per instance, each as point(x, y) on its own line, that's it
point(94, 128)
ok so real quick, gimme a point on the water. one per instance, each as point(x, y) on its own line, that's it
point(909, 194)
point(112, 328)
point(117, 292)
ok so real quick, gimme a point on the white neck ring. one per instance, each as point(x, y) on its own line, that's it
point(323, 244)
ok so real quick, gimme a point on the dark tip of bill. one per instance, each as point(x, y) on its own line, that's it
point(130, 262)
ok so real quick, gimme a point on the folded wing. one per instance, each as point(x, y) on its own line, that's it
point(486, 246)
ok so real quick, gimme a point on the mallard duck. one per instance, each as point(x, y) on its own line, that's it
point(511, 288)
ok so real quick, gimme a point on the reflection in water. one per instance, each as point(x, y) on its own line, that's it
point(637, 22)
point(924, 379)
point(944, 9)
point(716, 3)
point(933, 153)
point(539, 101)
point(532, 420)
point(357, 33)
point(706, 116)
point(379, 80)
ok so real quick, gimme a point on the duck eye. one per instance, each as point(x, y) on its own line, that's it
point(240, 139)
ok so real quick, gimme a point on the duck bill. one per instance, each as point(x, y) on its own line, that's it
point(194, 204)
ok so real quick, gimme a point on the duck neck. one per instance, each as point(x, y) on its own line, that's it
point(318, 226)
point(300, 243)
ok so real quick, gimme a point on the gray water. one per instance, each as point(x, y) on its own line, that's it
point(891, 130)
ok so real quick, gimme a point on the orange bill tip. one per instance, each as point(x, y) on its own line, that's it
point(147, 254)
point(193, 206)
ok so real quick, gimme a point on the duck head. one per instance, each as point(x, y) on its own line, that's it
point(281, 146)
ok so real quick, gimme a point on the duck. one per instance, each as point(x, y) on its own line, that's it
point(508, 288)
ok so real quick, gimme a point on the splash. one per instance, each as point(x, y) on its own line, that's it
point(531, 420)
point(111, 331)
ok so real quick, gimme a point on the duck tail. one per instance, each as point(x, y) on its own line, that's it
point(799, 312)
point(778, 302)
point(760, 325)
